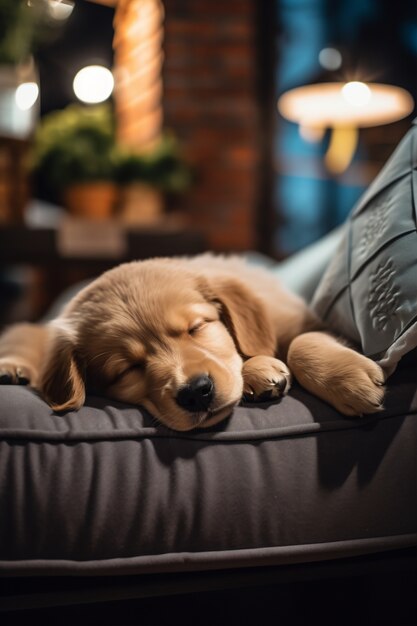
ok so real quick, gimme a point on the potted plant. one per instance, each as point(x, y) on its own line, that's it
point(146, 178)
point(23, 25)
point(73, 157)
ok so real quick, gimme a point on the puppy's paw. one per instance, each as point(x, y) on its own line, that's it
point(12, 372)
point(359, 388)
point(265, 378)
point(346, 379)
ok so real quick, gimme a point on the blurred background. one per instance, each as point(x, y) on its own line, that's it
point(136, 128)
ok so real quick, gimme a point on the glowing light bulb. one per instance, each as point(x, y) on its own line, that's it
point(26, 95)
point(356, 93)
point(93, 84)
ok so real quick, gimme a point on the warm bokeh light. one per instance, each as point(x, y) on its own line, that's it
point(343, 107)
point(138, 60)
point(342, 147)
point(93, 84)
point(26, 95)
point(327, 105)
point(356, 93)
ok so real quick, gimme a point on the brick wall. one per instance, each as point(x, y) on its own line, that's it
point(210, 102)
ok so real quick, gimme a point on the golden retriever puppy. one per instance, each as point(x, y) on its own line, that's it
point(186, 338)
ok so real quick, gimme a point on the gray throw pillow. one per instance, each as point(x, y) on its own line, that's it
point(369, 291)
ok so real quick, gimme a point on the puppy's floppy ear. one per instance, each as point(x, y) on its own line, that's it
point(62, 382)
point(244, 315)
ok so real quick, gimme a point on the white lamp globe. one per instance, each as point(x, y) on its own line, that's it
point(93, 84)
point(26, 95)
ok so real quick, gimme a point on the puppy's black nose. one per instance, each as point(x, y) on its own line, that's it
point(197, 394)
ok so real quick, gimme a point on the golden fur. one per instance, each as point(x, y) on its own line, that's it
point(140, 332)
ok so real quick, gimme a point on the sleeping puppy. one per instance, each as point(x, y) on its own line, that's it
point(186, 339)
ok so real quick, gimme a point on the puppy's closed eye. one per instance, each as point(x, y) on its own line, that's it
point(138, 366)
point(195, 328)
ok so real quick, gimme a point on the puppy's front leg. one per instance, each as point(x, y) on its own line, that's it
point(347, 380)
point(264, 378)
point(22, 351)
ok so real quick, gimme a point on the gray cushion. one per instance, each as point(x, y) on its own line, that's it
point(369, 291)
point(104, 490)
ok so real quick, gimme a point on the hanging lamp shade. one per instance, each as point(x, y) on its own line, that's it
point(345, 104)
point(343, 107)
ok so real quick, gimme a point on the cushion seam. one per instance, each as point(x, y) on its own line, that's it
point(297, 548)
point(301, 430)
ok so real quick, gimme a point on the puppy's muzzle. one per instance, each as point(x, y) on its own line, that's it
point(197, 394)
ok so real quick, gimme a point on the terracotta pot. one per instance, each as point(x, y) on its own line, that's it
point(93, 200)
